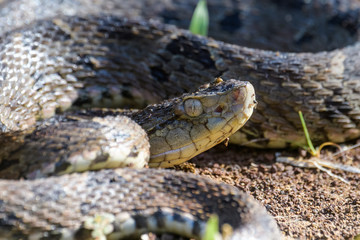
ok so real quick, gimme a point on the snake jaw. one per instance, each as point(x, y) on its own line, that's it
point(226, 106)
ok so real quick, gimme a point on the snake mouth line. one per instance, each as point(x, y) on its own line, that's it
point(218, 127)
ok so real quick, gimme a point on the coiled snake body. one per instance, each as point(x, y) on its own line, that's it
point(97, 58)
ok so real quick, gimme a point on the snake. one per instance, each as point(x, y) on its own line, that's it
point(57, 55)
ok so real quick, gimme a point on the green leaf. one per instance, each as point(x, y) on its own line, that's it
point(200, 19)
point(212, 228)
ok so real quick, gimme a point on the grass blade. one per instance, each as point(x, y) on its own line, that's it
point(307, 135)
point(200, 20)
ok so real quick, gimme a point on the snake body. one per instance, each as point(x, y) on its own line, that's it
point(84, 55)
point(323, 85)
point(136, 200)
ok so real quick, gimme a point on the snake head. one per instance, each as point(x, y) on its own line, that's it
point(202, 120)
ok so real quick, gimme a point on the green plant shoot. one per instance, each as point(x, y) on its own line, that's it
point(307, 135)
point(212, 228)
point(200, 20)
point(312, 150)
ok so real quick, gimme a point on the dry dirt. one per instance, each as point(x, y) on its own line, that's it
point(307, 203)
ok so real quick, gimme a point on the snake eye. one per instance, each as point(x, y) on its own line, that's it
point(193, 107)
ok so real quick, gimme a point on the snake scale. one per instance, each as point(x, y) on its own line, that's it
point(56, 54)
